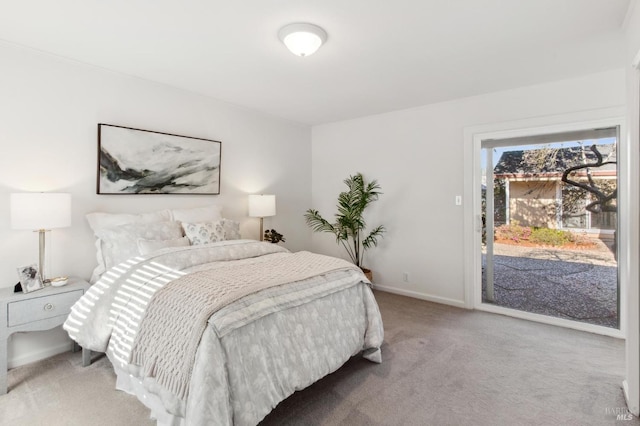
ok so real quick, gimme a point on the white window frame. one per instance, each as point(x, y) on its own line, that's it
point(474, 135)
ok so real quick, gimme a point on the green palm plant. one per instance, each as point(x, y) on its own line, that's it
point(349, 227)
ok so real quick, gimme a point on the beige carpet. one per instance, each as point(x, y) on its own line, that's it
point(441, 366)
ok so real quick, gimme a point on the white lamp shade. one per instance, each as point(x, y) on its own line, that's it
point(302, 39)
point(262, 205)
point(40, 210)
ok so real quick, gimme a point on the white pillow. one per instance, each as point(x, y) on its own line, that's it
point(99, 220)
point(121, 242)
point(149, 246)
point(197, 214)
point(203, 233)
point(101, 268)
point(231, 229)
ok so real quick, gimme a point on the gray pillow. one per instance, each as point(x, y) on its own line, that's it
point(149, 246)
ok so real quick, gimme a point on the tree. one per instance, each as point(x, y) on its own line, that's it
point(605, 196)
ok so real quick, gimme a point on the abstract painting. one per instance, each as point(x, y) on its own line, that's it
point(135, 161)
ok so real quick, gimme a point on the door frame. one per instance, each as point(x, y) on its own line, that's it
point(631, 384)
point(474, 135)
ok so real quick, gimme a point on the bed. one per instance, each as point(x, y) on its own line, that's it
point(213, 329)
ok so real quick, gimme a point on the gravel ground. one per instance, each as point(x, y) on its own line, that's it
point(580, 285)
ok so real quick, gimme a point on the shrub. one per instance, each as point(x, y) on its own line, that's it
point(580, 239)
point(542, 236)
point(551, 237)
point(513, 232)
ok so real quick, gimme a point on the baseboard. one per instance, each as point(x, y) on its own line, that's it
point(625, 392)
point(632, 409)
point(416, 295)
point(34, 356)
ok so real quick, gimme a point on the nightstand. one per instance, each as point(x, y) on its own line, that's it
point(38, 310)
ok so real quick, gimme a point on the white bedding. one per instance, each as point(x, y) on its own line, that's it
point(254, 352)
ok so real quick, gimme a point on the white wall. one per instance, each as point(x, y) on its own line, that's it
point(49, 110)
point(417, 156)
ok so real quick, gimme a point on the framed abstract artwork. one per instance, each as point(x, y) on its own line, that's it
point(136, 161)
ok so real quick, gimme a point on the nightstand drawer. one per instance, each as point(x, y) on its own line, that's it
point(40, 308)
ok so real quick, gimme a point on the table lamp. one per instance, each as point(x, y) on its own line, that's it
point(262, 206)
point(41, 212)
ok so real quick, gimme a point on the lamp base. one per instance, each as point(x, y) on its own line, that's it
point(261, 229)
point(41, 234)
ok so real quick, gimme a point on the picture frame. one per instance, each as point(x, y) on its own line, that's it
point(137, 161)
point(30, 279)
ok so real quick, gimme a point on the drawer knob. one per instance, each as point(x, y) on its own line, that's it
point(48, 307)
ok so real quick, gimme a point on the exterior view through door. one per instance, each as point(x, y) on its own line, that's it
point(549, 213)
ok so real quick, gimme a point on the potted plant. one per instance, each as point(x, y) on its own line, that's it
point(349, 226)
point(273, 236)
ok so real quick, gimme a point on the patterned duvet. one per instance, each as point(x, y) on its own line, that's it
point(254, 352)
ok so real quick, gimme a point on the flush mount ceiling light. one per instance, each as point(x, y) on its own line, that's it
point(302, 39)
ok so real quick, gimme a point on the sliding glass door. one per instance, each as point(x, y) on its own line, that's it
point(550, 221)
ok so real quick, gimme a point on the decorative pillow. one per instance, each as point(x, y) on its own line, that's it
point(99, 220)
point(204, 233)
point(149, 246)
point(197, 214)
point(120, 242)
point(231, 229)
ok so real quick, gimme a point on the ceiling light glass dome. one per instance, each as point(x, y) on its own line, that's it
point(302, 39)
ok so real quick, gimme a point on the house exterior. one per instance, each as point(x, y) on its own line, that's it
point(529, 188)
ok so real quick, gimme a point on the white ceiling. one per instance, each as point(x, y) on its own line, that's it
point(381, 55)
